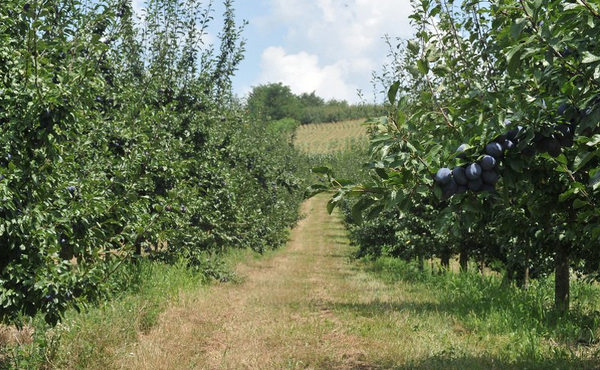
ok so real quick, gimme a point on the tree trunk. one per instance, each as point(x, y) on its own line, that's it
point(561, 280)
point(510, 274)
point(526, 272)
point(463, 260)
point(445, 259)
point(421, 263)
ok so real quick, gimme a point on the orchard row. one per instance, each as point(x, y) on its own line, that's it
point(470, 68)
point(121, 140)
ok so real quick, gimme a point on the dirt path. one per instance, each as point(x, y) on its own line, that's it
point(280, 316)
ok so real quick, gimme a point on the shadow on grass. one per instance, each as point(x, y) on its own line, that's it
point(485, 306)
point(378, 308)
point(486, 300)
point(490, 363)
point(449, 362)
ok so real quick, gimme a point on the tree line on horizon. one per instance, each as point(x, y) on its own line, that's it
point(276, 101)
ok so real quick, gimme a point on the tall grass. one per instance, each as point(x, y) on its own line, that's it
point(105, 330)
point(487, 305)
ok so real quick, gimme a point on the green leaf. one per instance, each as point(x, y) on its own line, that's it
point(413, 46)
point(567, 88)
point(331, 206)
point(401, 118)
point(514, 59)
point(517, 27)
point(572, 6)
point(359, 207)
point(393, 92)
point(382, 173)
point(313, 190)
point(423, 66)
point(375, 212)
point(323, 170)
point(437, 190)
point(589, 58)
point(596, 233)
point(516, 164)
point(582, 159)
point(594, 141)
point(579, 203)
point(395, 198)
point(595, 180)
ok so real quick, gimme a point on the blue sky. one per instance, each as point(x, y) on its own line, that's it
point(327, 46)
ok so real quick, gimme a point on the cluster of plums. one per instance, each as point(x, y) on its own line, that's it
point(478, 176)
point(483, 174)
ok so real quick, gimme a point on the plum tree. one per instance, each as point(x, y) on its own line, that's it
point(511, 93)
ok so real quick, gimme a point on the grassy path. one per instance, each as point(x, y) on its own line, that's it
point(307, 307)
point(282, 314)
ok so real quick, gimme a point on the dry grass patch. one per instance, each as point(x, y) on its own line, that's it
point(13, 336)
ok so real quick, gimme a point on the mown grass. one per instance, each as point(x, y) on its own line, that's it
point(325, 138)
point(93, 337)
point(489, 324)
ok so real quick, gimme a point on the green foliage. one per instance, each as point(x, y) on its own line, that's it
point(287, 125)
point(272, 102)
point(121, 140)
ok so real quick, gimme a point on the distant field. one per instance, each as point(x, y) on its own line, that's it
point(322, 138)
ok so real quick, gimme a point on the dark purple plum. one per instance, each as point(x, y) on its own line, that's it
point(562, 108)
point(443, 176)
point(490, 177)
point(461, 151)
point(565, 138)
point(508, 144)
point(475, 185)
point(487, 162)
point(459, 175)
point(548, 145)
point(529, 151)
point(494, 149)
point(473, 171)
point(514, 133)
point(489, 188)
point(449, 189)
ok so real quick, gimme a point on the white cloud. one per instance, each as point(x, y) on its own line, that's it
point(346, 27)
point(346, 35)
point(303, 73)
